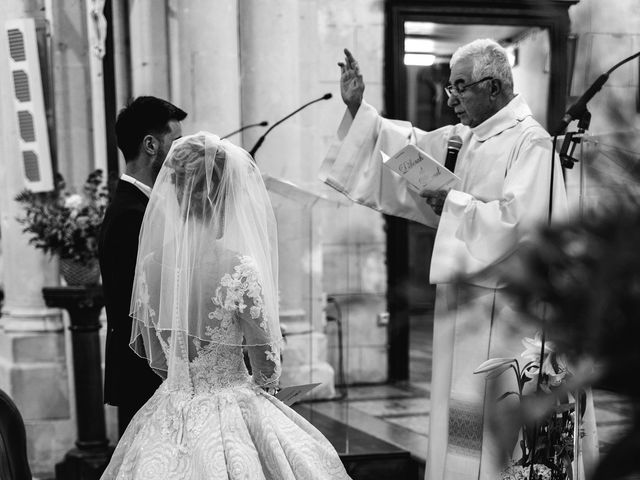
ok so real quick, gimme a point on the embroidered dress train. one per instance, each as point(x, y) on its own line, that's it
point(205, 290)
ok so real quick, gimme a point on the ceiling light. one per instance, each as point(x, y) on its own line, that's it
point(421, 59)
point(512, 55)
point(419, 45)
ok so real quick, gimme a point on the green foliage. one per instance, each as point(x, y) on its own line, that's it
point(65, 224)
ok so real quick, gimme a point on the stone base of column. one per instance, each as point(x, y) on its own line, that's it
point(47, 442)
point(33, 372)
point(304, 356)
point(32, 320)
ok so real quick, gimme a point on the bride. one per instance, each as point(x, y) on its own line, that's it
point(205, 286)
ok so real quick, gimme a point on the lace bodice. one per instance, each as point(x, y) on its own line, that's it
point(205, 291)
point(234, 314)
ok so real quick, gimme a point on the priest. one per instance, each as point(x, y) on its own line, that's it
point(510, 182)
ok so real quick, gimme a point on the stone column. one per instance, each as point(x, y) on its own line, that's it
point(271, 89)
point(186, 51)
point(149, 48)
point(32, 350)
point(204, 64)
point(271, 67)
point(70, 52)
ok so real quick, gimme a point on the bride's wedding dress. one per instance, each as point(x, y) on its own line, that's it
point(205, 289)
point(220, 424)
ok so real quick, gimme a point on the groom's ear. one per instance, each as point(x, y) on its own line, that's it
point(150, 145)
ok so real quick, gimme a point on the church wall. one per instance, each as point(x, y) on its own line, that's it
point(607, 32)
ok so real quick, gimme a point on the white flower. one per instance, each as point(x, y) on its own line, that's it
point(74, 202)
point(493, 364)
point(553, 367)
point(532, 348)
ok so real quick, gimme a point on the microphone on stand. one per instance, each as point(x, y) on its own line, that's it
point(580, 107)
point(243, 128)
point(255, 148)
point(453, 148)
point(576, 110)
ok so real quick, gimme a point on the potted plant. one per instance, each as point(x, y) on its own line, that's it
point(67, 225)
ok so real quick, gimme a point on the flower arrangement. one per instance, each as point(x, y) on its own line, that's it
point(547, 430)
point(586, 274)
point(63, 223)
point(579, 282)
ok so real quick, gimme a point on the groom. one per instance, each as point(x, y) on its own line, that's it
point(145, 130)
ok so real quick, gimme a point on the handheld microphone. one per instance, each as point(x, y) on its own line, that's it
point(453, 148)
point(243, 128)
point(255, 148)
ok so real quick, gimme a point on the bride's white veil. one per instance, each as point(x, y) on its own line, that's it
point(209, 225)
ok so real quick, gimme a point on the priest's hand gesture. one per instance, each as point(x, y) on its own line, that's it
point(351, 83)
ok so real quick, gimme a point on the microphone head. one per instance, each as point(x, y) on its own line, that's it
point(327, 96)
point(264, 123)
point(454, 143)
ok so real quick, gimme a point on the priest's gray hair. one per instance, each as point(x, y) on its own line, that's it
point(488, 58)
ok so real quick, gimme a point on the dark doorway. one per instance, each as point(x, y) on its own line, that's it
point(414, 92)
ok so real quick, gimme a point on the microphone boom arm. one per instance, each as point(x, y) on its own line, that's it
point(257, 145)
point(576, 110)
point(241, 129)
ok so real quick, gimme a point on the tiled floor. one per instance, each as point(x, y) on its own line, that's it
point(399, 414)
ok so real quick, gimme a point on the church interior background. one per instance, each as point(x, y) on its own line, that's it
point(356, 305)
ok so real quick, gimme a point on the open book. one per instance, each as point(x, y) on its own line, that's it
point(420, 169)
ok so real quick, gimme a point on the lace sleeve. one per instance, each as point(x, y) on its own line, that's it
point(262, 344)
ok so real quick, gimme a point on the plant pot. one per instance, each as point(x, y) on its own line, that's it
point(80, 273)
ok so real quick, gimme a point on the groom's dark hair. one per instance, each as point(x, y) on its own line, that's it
point(144, 116)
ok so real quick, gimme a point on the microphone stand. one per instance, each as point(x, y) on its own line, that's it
point(580, 112)
point(241, 129)
point(572, 139)
point(255, 148)
point(576, 110)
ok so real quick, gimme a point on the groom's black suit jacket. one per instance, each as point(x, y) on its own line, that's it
point(128, 379)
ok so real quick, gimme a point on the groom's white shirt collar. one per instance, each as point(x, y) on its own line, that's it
point(146, 189)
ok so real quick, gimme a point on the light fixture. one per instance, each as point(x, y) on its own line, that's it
point(421, 59)
point(512, 55)
point(419, 45)
point(419, 28)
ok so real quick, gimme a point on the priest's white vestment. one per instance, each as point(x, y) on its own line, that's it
point(505, 166)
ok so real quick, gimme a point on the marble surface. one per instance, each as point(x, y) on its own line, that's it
point(399, 413)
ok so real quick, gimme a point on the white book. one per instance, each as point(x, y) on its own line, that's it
point(420, 169)
point(290, 395)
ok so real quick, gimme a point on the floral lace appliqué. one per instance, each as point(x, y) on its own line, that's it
point(142, 302)
point(230, 296)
